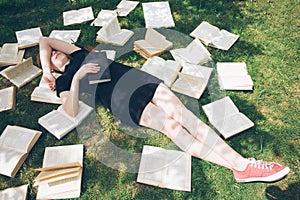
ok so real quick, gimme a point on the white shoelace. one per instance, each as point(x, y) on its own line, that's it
point(260, 164)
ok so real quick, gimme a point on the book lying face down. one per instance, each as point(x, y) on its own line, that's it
point(99, 58)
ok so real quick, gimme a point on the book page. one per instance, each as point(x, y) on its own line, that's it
point(19, 138)
point(164, 70)
point(56, 175)
point(14, 193)
point(194, 53)
point(235, 82)
point(43, 94)
point(104, 16)
point(125, 7)
point(189, 85)
point(70, 36)
point(220, 109)
point(28, 37)
point(67, 188)
point(233, 124)
point(9, 53)
point(7, 98)
point(157, 40)
point(165, 168)
point(57, 123)
point(225, 40)
point(232, 69)
point(205, 32)
point(158, 14)
point(59, 155)
point(26, 76)
point(78, 16)
point(110, 29)
point(10, 160)
point(196, 70)
point(121, 38)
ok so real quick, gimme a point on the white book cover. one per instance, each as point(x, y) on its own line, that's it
point(165, 168)
point(103, 17)
point(14, 193)
point(70, 36)
point(166, 70)
point(125, 7)
point(194, 53)
point(234, 76)
point(78, 16)
point(59, 123)
point(158, 14)
point(70, 187)
point(28, 37)
point(226, 117)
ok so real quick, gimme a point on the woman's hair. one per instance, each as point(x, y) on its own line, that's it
point(39, 63)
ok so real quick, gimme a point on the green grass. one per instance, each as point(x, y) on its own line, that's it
point(269, 44)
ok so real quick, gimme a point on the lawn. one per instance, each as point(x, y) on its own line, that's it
point(268, 43)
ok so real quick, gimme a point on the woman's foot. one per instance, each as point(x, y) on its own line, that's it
point(258, 170)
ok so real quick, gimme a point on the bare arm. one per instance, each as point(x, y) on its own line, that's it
point(70, 99)
point(46, 46)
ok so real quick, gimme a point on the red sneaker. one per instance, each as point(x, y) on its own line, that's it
point(258, 170)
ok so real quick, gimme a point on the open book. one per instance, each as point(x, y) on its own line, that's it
point(42, 93)
point(125, 7)
point(21, 73)
point(103, 17)
point(233, 76)
point(59, 123)
point(113, 34)
point(194, 53)
point(226, 118)
point(213, 36)
point(166, 70)
point(78, 16)
point(165, 168)
point(192, 80)
point(10, 54)
point(61, 172)
point(14, 193)
point(28, 37)
point(7, 98)
point(158, 14)
point(70, 36)
point(153, 44)
point(103, 75)
point(15, 145)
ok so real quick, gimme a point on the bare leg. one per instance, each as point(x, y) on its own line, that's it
point(212, 144)
point(154, 117)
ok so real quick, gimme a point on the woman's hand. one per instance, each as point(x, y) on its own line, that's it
point(50, 80)
point(86, 69)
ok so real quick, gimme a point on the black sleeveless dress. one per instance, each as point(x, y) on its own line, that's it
point(126, 95)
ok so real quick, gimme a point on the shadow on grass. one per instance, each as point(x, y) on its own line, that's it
point(291, 193)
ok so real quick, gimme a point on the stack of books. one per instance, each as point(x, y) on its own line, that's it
point(153, 45)
point(234, 76)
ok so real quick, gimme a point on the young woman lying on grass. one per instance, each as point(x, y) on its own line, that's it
point(150, 104)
